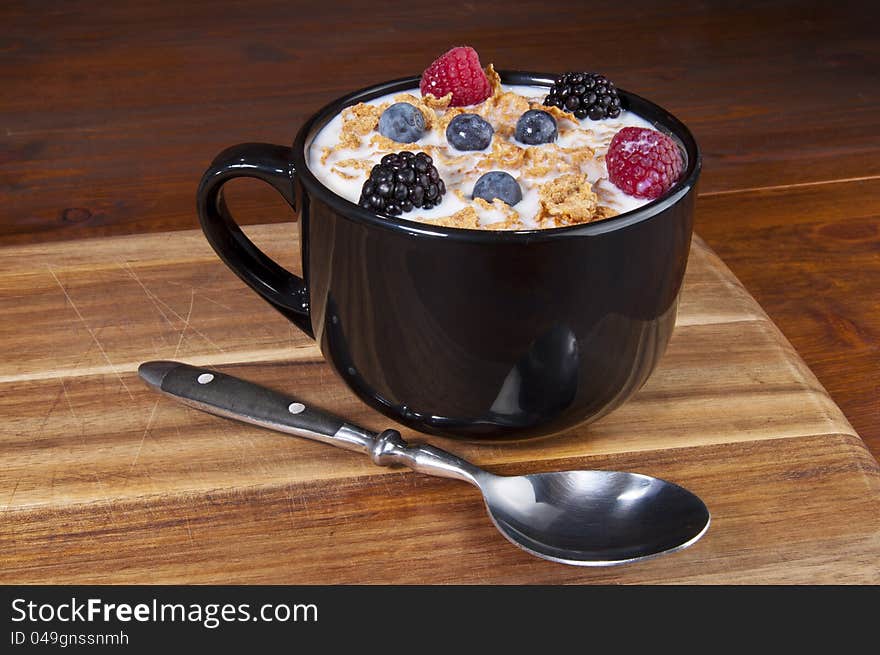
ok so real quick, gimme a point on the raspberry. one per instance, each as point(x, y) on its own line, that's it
point(458, 71)
point(643, 163)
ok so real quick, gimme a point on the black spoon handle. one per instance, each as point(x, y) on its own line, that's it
point(231, 397)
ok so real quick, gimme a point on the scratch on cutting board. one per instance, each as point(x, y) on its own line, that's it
point(55, 404)
point(143, 437)
point(192, 297)
point(67, 398)
point(149, 294)
point(156, 300)
point(189, 531)
point(12, 496)
point(200, 295)
point(219, 304)
point(290, 507)
point(90, 331)
point(296, 510)
point(107, 499)
point(128, 269)
point(49, 413)
point(152, 297)
point(193, 328)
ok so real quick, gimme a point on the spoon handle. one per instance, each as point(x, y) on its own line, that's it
point(231, 397)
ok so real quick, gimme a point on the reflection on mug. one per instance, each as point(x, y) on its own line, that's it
point(544, 381)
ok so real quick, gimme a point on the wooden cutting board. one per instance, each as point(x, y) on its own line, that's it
point(104, 481)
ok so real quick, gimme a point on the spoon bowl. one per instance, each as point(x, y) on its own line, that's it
point(594, 518)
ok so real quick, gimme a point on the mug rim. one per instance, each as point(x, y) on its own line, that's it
point(659, 117)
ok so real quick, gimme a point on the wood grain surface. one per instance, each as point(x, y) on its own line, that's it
point(104, 481)
point(110, 113)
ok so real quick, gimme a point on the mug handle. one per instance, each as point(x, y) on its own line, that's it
point(283, 290)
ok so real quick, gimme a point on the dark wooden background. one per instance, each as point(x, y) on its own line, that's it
point(110, 112)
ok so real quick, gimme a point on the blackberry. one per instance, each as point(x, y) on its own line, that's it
point(584, 95)
point(400, 182)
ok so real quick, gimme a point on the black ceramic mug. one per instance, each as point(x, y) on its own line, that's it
point(468, 333)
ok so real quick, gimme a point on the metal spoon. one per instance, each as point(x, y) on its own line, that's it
point(585, 518)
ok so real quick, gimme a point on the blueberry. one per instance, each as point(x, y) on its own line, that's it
point(498, 184)
point(469, 132)
point(402, 122)
point(535, 127)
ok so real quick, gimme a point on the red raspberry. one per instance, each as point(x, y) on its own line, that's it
point(643, 163)
point(458, 71)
